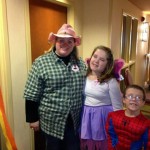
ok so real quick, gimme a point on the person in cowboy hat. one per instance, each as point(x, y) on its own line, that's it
point(53, 91)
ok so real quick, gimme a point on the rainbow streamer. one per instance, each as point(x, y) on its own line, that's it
point(10, 141)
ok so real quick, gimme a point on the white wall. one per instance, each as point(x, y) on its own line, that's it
point(96, 25)
point(18, 60)
point(117, 10)
point(102, 23)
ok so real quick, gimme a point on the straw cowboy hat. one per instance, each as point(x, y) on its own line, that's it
point(65, 31)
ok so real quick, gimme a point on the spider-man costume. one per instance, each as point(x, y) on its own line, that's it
point(127, 133)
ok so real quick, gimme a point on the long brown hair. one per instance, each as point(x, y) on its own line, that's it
point(108, 72)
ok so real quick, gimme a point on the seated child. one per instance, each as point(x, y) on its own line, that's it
point(129, 129)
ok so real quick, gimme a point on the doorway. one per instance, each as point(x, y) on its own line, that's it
point(45, 17)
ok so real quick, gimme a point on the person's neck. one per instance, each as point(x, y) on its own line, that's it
point(65, 59)
point(130, 113)
point(97, 74)
point(93, 76)
point(60, 55)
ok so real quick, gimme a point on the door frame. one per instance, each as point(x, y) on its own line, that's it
point(5, 74)
point(70, 20)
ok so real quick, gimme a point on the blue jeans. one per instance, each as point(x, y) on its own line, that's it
point(70, 142)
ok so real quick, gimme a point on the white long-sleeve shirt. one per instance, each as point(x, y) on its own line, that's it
point(106, 93)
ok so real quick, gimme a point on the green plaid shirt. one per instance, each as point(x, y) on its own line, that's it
point(58, 90)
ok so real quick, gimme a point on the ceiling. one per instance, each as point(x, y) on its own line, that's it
point(144, 5)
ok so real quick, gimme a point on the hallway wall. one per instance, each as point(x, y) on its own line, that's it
point(18, 63)
point(103, 25)
point(16, 60)
point(96, 25)
point(117, 10)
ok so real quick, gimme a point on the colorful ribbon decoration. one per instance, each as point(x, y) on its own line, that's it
point(6, 130)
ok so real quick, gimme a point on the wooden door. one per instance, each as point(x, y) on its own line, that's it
point(45, 17)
